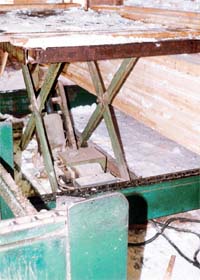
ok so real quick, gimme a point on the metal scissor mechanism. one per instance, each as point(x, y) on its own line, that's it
point(68, 161)
point(103, 110)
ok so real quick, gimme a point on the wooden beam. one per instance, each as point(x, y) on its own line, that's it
point(161, 92)
point(165, 17)
point(106, 2)
point(38, 6)
point(28, 2)
point(3, 61)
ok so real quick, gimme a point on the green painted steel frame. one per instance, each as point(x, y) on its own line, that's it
point(163, 199)
point(80, 241)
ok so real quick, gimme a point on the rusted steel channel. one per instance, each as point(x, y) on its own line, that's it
point(101, 52)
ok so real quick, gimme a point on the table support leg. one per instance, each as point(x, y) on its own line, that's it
point(115, 85)
point(37, 120)
point(103, 110)
point(49, 81)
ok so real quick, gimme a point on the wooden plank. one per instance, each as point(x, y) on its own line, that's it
point(162, 11)
point(170, 18)
point(147, 10)
point(92, 2)
point(28, 2)
point(3, 61)
point(44, 6)
point(165, 20)
point(106, 2)
point(158, 93)
point(169, 270)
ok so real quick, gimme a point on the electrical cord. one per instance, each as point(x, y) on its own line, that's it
point(160, 231)
point(193, 261)
point(185, 231)
point(178, 229)
point(165, 225)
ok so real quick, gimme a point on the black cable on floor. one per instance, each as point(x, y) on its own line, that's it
point(195, 262)
point(178, 229)
point(160, 231)
point(165, 225)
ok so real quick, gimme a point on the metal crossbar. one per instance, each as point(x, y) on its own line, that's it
point(115, 85)
point(103, 108)
point(44, 92)
point(37, 120)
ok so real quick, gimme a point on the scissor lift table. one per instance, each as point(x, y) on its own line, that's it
point(89, 229)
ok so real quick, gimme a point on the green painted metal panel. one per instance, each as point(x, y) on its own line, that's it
point(78, 96)
point(34, 261)
point(29, 234)
point(38, 251)
point(5, 212)
point(157, 200)
point(51, 205)
point(14, 102)
point(84, 240)
point(6, 145)
point(98, 238)
point(6, 159)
